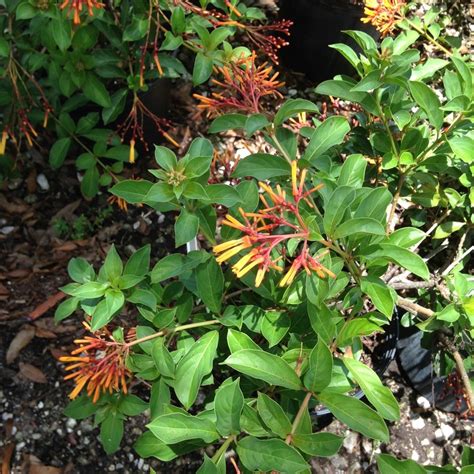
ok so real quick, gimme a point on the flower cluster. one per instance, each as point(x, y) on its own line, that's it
point(383, 14)
point(98, 364)
point(76, 7)
point(242, 87)
point(267, 230)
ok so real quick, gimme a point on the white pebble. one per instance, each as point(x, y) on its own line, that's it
point(8, 229)
point(448, 431)
point(418, 423)
point(36, 436)
point(112, 468)
point(415, 456)
point(71, 423)
point(20, 446)
point(40, 405)
point(425, 442)
point(423, 402)
point(7, 416)
point(42, 182)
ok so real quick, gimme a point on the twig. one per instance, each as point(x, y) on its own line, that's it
point(461, 370)
point(457, 260)
point(426, 313)
point(412, 285)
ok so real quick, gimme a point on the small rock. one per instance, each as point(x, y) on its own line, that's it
point(42, 182)
point(418, 423)
point(423, 402)
point(351, 442)
point(447, 432)
point(415, 456)
point(425, 442)
point(8, 229)
point(112, 468)
point(40, 405)
point(71, 423)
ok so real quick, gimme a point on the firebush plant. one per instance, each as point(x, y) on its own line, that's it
point(307, 247)
point(78, 78)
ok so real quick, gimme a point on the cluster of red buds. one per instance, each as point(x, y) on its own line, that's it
point(383, 14)
point(243, 86)
point(76, 6)
point(98, 364)
point(268, 230)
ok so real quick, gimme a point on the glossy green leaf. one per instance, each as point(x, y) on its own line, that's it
point(463, 148)
point(262, 166)
point(202, 68)
point(273, 415)
point(59, 151)
point(194, 366)
point(185, 228)
point(428, 101)
point(275, 326)
point(177, 427)
point(330, 133)
point(319, 373)
point(378, 395)
point(356, 415)
point(293, 107)
point(390, 465)
point(162, 358)
point(133, 191)
point(318, 444)
point(228, 122)
point(238, 340)
point(111, 432)
point(270, 455)
point(264, 366)
point(228, 405)
point(380, 294)
point(359, 225)
point(139, 263)
point(210, 284)
point(338, 202)
point(95, 90)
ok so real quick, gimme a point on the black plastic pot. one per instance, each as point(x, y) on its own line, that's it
point(317, 24)
point(415, 362)
point(383, 354)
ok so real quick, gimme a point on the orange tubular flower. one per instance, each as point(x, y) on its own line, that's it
point(76, 6)
point(98, 365)
point(242, 87)
point(383, 14)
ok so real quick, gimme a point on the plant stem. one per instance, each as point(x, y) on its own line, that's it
point(176, 329)
point(396, 197)
point(429, 37)
point(223, 448)
point(299, 415)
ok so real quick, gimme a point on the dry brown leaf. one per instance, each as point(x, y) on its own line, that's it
point(12, 207)
point(19, 273)
point(7, 456)
point(66, 247)
point(33, 465)
point(46, 305)
point(32, 373)
point(57, 353)
point(19, 342)
point(4, 290)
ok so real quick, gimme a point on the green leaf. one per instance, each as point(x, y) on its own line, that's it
point(111, 432)
point(139, 263)
point(238, 340)
point(293, 107)
point(61, 32)
point(353, 171)
point(106, 309)
point(264, 366)
point(165, 158)
point(270, 455)
point(194, 366)
point(210, 284)
point(113, 265)
point(162, 358)
point(356, 415)
point(321, 321)
point(168, 267)
point(90, 182)
point(447, 228)
point(58, 152)
point(136, 29)
point(428, 101)
point(202, 68)
point(262, 166)
point(275, 325)
point(273, 415)
point(80, 408)
point(406, 237)
point(380, 396)
point(319, 372)
point(255, 122)
point(330, 133)
point(66, 308)
point(338, 202)
point(117, 104)
point(132, 190)
point(177, 427)
point(390, 465)
point(318, 444)
point(185, 227)
point(380, 294)
point(463, 148)
point(359, 225)
point(25, 11)
point(80, 270)
point(148, 445)
point(92, 289)
point(228, 405)
point(223, 194)
point(228, 122)
point(131, 405)
point(160, 192)
point(95, 90)
point(403, 257)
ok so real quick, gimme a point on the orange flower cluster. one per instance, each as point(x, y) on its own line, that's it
point(383, 14)
point(97, 364)
point(264, 234)
point(242, 87)
point(76, 7)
